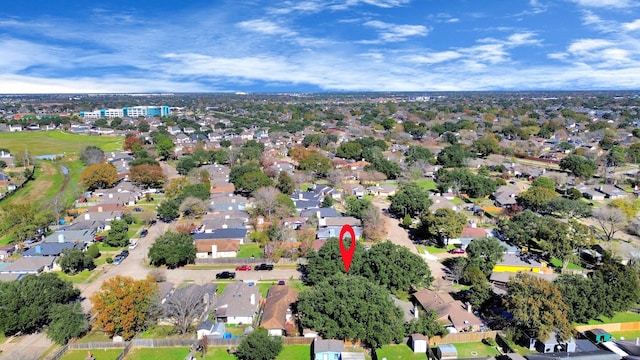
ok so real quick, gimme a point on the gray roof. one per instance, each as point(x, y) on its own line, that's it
point(51, 249)
point(232, 233)
point(28, 265)
point(71, 236)
point(587, 355)
point(320, 346)
point(324, 212)
point(518, 260)
point(334, 231)
point(86, 225)
point(236, 300)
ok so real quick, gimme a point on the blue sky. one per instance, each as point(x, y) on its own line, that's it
point(64, 46)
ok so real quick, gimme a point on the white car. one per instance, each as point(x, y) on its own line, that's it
point(133, 245)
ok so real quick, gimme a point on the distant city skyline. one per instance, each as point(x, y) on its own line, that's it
point(64, 46)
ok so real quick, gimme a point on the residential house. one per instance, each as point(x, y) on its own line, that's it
point(205, 293)
point(358, 191)
point(6, 251)
point(238, 304)
point(384, 190)
point(320, 213)
point(231, 234)
point(277, 316)
point(499, 280)
point(469, 233)
point(215, 249)
point(505, 196)
point(95, 225)
point(451, 313)
point(52, 248)
point(331, 226)
point(551, 344)
point(440, 202)
point(306, 200)
point(229, 202)
point(82, 236)
point(30, 265)
point(516, 263)
point(4, 178)
point(591, 193)
point(612, 192)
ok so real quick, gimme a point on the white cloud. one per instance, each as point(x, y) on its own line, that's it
point(632, 26)
point(606, 3)
point(265, 27)
point(393, 32)
point(584, 46)
point(434, 57)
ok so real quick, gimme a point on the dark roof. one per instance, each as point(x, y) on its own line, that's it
point(587, 355)
point(234, 233)
point(51, 249)
point(324, 212)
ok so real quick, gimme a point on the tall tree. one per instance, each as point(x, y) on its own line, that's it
point(173, 249)
point(74, 260)
point(92, 155)
point(164, 145)
point(485, 253)
point(610, 220)
point(285, 183)
point(316, 163)
point(536, 198)
point(580, 166)
point(147, 175)
point(68, 321)
point(118, 234)
point(443, 224)
point(369, 315)
point(537, 305)
point(410, 200)
point(265, 200)
point(99, 176)
point(184, 306)
point(259, 346)
point(122, 306)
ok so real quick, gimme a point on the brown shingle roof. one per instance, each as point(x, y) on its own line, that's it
point(204, 246)
point(278, 300)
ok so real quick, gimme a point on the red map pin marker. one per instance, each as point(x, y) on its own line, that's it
point(347, 254)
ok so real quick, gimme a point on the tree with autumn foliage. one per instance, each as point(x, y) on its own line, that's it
point(99, 176)
point(149, 175)
point(123, 305)
point(132, 143)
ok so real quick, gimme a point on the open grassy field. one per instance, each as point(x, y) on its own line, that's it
point(427, 184)
point(56, 142)
point(218, 353)
point(619, 317)
point(626, 335)
point(97, 353)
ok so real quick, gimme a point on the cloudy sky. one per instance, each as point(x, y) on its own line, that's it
point(69, 46)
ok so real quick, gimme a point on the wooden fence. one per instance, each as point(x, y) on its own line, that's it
point(625, 326)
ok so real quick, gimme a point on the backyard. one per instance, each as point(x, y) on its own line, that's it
point(475, 349)
point(398, 352)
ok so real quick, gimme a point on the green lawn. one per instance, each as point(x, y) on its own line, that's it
point(398, 352)
point(159, 332)
point(555, 262)
point(432, 249)
point(99, 354)
point(78, 278)
point(294, 352)
point(95, 336)
point(217, 353)
point(249, 250)
point(619, 317)
point(626, 335)
point(475, 350)
point(56, 142)
point(427, 184)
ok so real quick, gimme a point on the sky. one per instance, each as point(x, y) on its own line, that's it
point(168, 46)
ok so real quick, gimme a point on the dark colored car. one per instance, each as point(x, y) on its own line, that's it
point(226, 275)
point(267, 267)
point(124, 253)
point(138, 209)
point(144, 233)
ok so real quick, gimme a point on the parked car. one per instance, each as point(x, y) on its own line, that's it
point(117, 260)
point(144, 233)
point(267, 267)
point(226, 275)
point(124, 253)
point(133, 245)
point(99, 237)
point(138, 209)
point(244, 267)
point(457, 251)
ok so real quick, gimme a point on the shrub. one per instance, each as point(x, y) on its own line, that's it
point(94, 251)
point(109, 260)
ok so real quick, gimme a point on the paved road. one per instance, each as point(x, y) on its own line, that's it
point(28, 347)
point(399, 236)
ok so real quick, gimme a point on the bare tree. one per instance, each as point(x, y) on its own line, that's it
point(373, 224)
point(610, 220)
point(185, 306)
point(193, 207)
point(266, 200)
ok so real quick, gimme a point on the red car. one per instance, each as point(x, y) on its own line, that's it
point(457, 251)
point(99, 238)
point(243, 268)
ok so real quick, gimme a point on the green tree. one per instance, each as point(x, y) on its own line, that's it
point(164, 145)
point(317, 163)
point(327, 201)
point(258, 345)
point(544, 182)
point(173, 249)
point(578, 293)
point(27, 303)
point(99, 176)
point(410, 199)
point(285, 183)
point(416, 153)
point(117, 236)
point(486, 145)
point(68, 321)
point(369, 315)
point(536, 198)
point(168, 210)
point(537, 305)
point(185, 165)
point(357, 207)
point(395, 268)
point(485, 253)
point(350, 150)
point(443, 224)
point(616, 156)
point(479, 293)
point(252, 181)
point(74, 260)
point(426, 324)
point(580, 166)
point(94, 251)
point(328, 261)
point(567, 208)
point(453, 156)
